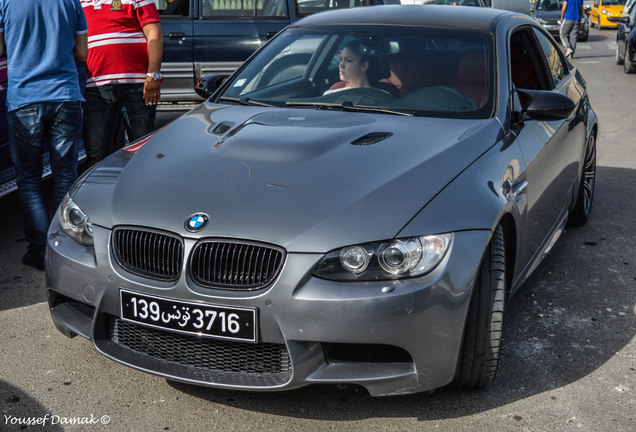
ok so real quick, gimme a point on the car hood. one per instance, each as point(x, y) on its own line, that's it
point(615, 9)
point(294, 177)
point(549, 16)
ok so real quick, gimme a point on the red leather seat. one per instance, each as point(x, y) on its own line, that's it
point(472, 77)
point(409, 74)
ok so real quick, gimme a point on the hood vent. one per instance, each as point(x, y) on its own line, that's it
point(222, 128)
point(371, 138)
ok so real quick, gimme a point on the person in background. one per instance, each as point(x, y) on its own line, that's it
point(41, 39)
point(125, 47)
point(571, 15)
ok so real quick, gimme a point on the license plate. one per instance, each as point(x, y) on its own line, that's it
point(212, 321)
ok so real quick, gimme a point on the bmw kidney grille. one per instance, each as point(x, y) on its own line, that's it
point(213, 263)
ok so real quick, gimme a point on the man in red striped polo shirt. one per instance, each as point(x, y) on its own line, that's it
point(124, 58)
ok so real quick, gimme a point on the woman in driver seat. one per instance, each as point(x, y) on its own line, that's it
point(353, 69)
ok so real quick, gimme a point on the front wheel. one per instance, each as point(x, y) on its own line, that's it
point(479, 359)
point(583, 207)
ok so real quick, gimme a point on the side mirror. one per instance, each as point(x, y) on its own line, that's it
point(545, 105)
point(207, 84)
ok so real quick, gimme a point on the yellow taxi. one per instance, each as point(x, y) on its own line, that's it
point(602, 9)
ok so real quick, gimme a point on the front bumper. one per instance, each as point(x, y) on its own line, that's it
point(555, 30)
point(391, 337)
point(606, 23)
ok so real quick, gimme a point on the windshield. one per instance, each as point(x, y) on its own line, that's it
point(390, 70)
point(613, 2)
point(548, 5)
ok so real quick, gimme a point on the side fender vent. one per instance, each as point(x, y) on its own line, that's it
point(371, 138)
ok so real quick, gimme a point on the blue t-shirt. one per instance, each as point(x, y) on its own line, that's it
point(573, 10)
point(39, 36)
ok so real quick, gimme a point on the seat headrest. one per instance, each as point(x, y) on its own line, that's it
point(472, 68)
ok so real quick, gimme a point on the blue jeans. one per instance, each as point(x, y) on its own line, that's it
point(107, 107)
point(34, 129)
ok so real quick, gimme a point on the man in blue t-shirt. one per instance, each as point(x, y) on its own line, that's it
point(571, 14)
point(42, 39)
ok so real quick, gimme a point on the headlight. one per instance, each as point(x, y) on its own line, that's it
point(75, 223)
point(605, 12)
point(391, 259)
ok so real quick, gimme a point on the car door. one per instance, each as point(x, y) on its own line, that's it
point(551, 148)
point(594, 18)
point(177, 66)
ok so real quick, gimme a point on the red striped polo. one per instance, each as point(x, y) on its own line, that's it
point(117, 45)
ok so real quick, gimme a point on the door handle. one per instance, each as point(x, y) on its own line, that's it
point(172, 35)
point(513, 191)
point(519, 189)
point(270, 34)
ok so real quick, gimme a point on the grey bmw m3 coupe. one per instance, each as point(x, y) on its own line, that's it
point(357, 203)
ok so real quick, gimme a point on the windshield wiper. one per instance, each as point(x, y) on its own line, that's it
point(349, 106)
point(245, 101)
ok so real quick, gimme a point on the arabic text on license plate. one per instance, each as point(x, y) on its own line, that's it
point(220, 322)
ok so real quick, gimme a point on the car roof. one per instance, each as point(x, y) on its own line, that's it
point(453, 17)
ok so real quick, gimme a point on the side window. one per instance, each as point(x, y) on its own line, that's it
point(289, 65)
point(553, 57)
point(243, 8)
point(307, 7)
point(174, 8)
point(528, 67)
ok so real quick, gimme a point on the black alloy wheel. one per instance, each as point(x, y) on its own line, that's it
point(479, 357)
point(585, 198)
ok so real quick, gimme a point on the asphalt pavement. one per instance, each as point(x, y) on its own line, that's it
point(568, 357)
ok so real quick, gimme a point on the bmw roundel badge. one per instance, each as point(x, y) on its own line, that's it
point(197, 222)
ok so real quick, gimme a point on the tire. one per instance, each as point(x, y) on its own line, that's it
point(619, 59)
point(627, 64)
point(585, 37)
point(585, 198)
point(479, 359)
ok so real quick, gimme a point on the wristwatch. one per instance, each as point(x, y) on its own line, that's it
point(157, 76)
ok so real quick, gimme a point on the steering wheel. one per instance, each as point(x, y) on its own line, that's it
point(440, 98)
point(360, 96)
